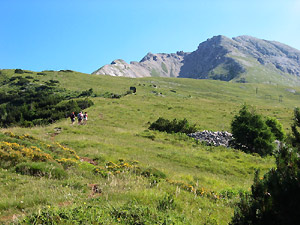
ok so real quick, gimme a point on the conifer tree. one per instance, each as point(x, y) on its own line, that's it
point(251, 133)
point(274, 198)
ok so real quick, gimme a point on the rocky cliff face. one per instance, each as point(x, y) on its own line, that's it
point(155, 65)
point(212, 60)
point(219, 58)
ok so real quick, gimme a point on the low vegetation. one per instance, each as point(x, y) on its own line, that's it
point(274, 196)
point(27, 102)
point(114, 169)
point(174, 126)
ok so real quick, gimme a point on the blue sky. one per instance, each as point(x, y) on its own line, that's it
point(83, 35)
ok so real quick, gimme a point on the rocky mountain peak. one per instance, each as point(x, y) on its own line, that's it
point(219, 58)
point(118, 61)
point(218, 39)
point(149, 56)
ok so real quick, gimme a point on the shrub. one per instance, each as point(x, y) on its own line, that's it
point(86, 93)
point(251, 133)
point(67, 163)
point(66, 71)
point(111, 95)
point(67, 107)
point(39, 105)
point(41, 169)
point(27, 124)
point(276, 128)
point(115, 95)
point(176, 126)
point(42, 74)
point(274, 198)
point(23, 82)
point(117, 168)
point(295, 140)
point(19, 71)
point(84, 103)
point(14, 153)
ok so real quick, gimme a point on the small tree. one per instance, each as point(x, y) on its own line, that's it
point(274, 198)
point(251, 134)
point(295, 128)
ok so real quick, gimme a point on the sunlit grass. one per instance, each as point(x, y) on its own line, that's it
point(118, 129)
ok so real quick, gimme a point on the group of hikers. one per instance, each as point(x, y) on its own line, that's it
point(82, 118)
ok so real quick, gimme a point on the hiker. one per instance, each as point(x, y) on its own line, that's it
point(85, 117)
point(72, 116)
point(79, 117)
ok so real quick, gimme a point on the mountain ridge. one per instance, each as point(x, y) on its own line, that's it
point(238, 59)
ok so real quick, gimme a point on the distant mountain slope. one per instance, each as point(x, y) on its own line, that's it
point(240, 59)
point(155, 65)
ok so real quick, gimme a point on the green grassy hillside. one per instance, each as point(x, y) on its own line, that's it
point(160, 177)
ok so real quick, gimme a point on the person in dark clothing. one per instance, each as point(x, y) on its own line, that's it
point(72, 116)
point(80, 117)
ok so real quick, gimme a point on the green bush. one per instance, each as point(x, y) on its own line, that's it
point(251, 133)
point(86, 93)
point(84, 103)
point(19, 71)
point(39, 105)
point(66, 71)
point(67, 107)
point(276, 128)
point(42, 74)
point(41, 169)
point(274, 198)
point(176, 126)
point(27, 103)
point(27, 124)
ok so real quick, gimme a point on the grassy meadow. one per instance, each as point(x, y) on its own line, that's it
point(190, 183)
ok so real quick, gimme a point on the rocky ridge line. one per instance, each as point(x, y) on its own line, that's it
point(219, 58)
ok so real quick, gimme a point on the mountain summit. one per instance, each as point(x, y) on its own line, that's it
point(240, 59)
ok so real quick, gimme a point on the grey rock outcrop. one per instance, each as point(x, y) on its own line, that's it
point(152, 65)
point(218, 58)
point(283, 57)
point(218, 138)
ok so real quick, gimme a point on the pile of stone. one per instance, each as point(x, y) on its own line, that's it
point(218, 138)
